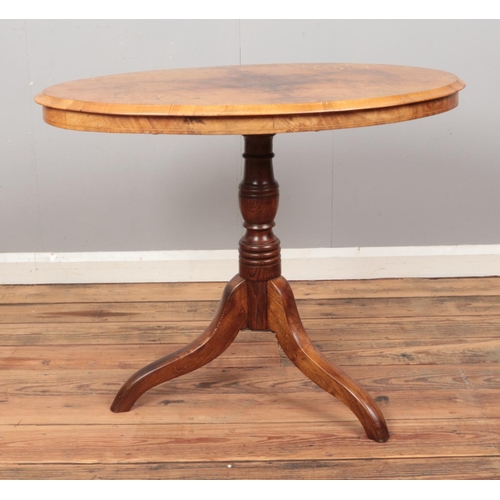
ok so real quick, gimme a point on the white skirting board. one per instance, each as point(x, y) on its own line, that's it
point(221, 265)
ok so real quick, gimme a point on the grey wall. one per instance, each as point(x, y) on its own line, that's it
point(434, 181)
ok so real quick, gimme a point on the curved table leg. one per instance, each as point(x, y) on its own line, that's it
point(230, 318)
point(284, 320)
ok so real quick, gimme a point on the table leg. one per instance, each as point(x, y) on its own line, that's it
point(259, 298)
point(285, 321)
point(231, 317)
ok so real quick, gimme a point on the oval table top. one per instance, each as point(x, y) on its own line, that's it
point(258, 99)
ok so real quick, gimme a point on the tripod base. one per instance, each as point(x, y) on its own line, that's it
point(278, 313)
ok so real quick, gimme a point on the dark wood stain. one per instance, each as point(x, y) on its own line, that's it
point(258, 298)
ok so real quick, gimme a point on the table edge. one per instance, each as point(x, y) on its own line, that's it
point(245, 125)
point(247, 109)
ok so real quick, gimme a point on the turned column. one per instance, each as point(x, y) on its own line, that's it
point(259, 248)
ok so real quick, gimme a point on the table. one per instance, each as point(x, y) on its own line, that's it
point(257, 102)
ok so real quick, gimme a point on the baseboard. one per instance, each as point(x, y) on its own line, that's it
point(221, 265)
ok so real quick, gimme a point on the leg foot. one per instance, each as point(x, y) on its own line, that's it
point(230, 318)
point(284, 320)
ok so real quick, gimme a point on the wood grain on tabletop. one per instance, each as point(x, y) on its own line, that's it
point(259, 99)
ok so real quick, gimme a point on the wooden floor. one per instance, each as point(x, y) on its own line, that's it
point(427, 350)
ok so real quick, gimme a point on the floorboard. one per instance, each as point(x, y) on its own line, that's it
point(427, 350)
